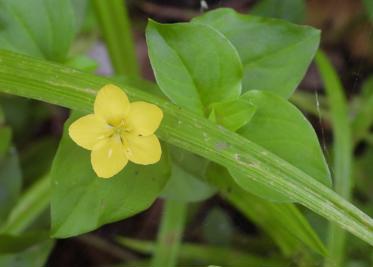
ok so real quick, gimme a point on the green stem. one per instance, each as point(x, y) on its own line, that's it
point(170, 234)
point(33, 78)
point(342, 151)
point(115, 26)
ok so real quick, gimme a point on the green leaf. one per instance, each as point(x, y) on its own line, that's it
point(282, 129)
point(218, 227)
point(209, 70)
point(275, 54)
point(16, 112)
point(186, 181)
point(33, 78)
point(184, 186)
point(194, 65)
point(10, 182)
point(232, 114)
point(80, 8)
point(283, 222)
point(82, 202)
point(291, 10)
point(44, 150)
point(82, 62)
point(42, 28)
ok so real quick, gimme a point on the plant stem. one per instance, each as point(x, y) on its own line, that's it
point(170, 234)
point(342, 151)
point(115, 26)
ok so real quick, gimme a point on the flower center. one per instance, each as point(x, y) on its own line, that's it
point(121, 128)
point(119, 132)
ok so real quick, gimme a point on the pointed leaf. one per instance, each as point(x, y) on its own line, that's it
point(282, 129)
point(194, 65)
point(291, 10)
point(232, 114)
point(37, 27)
point(275, 53)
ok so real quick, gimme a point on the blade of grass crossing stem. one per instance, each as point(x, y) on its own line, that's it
point(342, 152)
point(115, 26)
point(24, 76)
point(30, 205)
point(170, 234)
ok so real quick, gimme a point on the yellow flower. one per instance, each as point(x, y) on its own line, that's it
point(118, 132)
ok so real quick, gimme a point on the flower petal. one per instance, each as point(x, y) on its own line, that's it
point(144, 117)
point(108, 157)
point(111, 104)
point(89, 130)
point(143, 149)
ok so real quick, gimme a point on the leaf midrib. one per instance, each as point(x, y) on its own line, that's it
point(27, 29)
point(196, 88)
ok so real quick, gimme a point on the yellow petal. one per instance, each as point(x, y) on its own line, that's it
point(108, 157)
point(143, 149)
point(111, 104)
point(89, 130)
point(144, 118)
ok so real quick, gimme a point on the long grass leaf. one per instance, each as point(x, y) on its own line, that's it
point(52, 83)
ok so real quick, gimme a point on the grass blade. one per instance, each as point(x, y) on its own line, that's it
point(24, 76)
point(115, 26)
point(170, 234)
point(342, 151)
